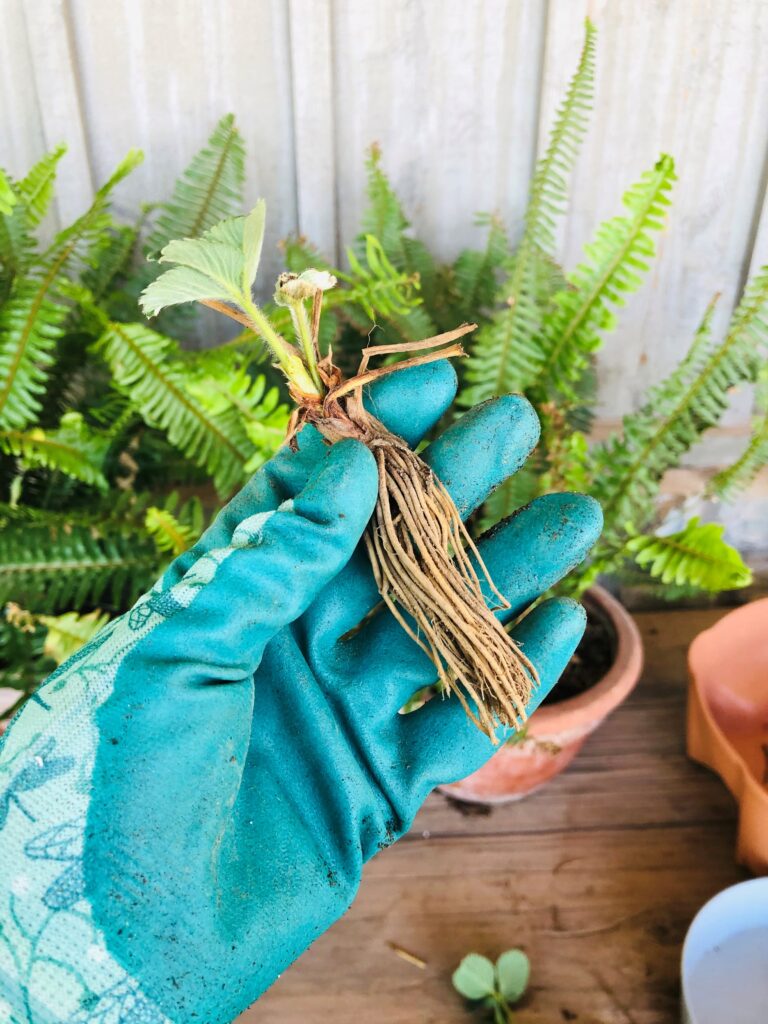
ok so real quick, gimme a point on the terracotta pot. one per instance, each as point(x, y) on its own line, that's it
point(728, 718)
point(556, 732)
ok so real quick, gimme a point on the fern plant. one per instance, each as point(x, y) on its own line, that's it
point(539, 328)
point(105, 418)
point(695, 555)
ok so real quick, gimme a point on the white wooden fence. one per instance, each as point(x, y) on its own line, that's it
point(459, 93)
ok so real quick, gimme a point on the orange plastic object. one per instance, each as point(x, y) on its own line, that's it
point(728, 719)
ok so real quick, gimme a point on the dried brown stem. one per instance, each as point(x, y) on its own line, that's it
point(233, 314)
point(416, 346)
point(369, 376)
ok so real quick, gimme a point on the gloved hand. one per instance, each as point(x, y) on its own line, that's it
point(188, 802)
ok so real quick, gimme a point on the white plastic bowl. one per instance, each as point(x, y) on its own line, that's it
point(725, 958)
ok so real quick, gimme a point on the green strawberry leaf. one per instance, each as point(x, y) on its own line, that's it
point(474, 977)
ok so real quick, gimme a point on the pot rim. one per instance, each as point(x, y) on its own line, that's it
point(613, 687)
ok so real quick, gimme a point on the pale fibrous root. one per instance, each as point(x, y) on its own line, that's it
point(427, 568)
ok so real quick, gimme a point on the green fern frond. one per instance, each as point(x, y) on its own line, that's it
point(35, 189)
point(580, 411)
point(423, 267)
point(73, 449)
point(8, 197)
point(68, 632)
point(627, 471)
point(16, 249)
point(32, 319)
point(300, 254)
point(729, 482)
point(75, 240)
point(210, 189)
point(749, 325)
point(31, 323)
point(507, 348)
point(507, 353)
point(48, 569)
point(376, 290)
point(257, 406)
point(31, 199)
point(383, 217)
point(619, 253)
point(174, 532)
point(476, 272)
point(147, 369)
point(384, 220)
point(695, 556)
point(169, 534)
point(266, 424)
point(227, 388)
point(549, 279)
point(110, 259)
point(377, 286)
point(549, 188)
point(118, 511)
point(567, 463)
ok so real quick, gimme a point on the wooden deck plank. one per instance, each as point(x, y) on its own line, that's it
point(597, 877)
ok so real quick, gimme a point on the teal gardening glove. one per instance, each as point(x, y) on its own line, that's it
point(189, 801)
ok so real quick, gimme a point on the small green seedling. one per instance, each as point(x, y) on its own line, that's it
point(476, 978)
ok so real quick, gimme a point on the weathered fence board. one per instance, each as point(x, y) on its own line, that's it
point(159, 75)
point(449, 91)
point(57, 87)
point(311, 34)
point(22, 135)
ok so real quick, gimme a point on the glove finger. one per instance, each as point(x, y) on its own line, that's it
point(408, 403)
point(473, 457)
point(442, 744)
point(482, 449)
point(525, 556)
point(234, 599)
point(536, 547)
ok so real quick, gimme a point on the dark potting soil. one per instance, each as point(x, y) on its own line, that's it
point(593, 657)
